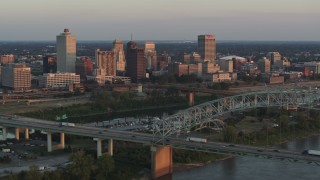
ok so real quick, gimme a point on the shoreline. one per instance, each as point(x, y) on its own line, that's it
point(185, 167)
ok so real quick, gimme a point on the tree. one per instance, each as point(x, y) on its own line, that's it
point(33, 173)
point(229, 134)
point(283, 121)
point(81, 166)
point(105, 165)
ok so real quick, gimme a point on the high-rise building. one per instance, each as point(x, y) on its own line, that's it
point(66, 52)
point(84, 67)
point(16, 76)
point(275, 60)
point(119, 55)
point(207, 47)
point(49, 64)
point(151, 56)
point(106, 63)
point(6, 59)
point(264, 65)
point(136, 63)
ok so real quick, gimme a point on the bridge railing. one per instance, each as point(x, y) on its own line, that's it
point(191, 117)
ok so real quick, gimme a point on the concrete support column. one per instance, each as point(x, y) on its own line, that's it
point(191, 98)
point(99, 146)
point(110, 147)
point(17, 134)
point(161, 162)
point(49, 141)
point(4, 133)
point(27, 134)
point(62, 140)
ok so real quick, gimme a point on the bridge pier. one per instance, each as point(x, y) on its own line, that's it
point(161, 161)
point(191, 98)
point(99, 146)
point(110, 147)
point(17, 134)
point(4, 133)
point(26, 134)
point(49, 141)
point(62, 144)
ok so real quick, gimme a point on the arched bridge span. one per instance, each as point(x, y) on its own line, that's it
point(191, 117)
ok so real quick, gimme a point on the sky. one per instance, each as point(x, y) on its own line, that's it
point(284, 20)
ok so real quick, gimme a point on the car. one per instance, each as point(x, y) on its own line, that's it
point(232, 145)
point(133, 136)
point(275, 150)
point(100, 132)
point(259, 150)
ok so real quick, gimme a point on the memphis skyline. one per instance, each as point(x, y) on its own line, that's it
point(281, 20)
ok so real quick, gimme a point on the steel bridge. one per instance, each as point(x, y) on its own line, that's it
point(184, 120)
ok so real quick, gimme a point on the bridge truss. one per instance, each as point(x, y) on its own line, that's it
point(184, 120)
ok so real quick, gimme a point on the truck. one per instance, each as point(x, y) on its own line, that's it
point(195, 139)
point(67, 124)
point(311, 152)
point(6, 150)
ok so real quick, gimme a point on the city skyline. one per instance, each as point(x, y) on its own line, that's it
point(164, 20)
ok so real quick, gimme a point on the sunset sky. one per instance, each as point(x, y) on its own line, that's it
point(292, 20)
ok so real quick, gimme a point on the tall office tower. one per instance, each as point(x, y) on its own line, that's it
point(136, 63)
point(84, 67)
point(207, 47)
point(274, 57)
point(151, 56)
point(106, 63)
point(119, 55)
point(66, 52)
point(6, 59)
point(16, 76)
point(264, 65)
point(49, 64)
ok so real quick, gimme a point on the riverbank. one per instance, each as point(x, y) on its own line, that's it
point(180, 167)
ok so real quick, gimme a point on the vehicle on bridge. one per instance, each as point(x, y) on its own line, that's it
point(195, 139)
point(67, 124)
point(311, 152)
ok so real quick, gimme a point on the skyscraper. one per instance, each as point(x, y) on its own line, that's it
point(136, 63)
point(49, 64)
point(119, 55)
point(207, 47)
point(106, 63)
point(151, 56)
point(66, 52)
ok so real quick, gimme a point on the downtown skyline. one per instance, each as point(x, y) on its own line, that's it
point(283, 20)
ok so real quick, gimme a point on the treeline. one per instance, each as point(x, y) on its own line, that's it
point(285, 127)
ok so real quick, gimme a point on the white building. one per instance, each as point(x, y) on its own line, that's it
point(58, 80)
point(66, 52)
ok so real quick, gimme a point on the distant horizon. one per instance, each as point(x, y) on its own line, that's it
point(245, 20)
point(186, 41)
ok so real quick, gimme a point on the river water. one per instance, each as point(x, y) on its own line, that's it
point(254, 168)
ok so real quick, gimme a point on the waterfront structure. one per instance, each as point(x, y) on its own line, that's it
point(66, 52)
point(151, 56)
point(7, 58)
point(119, 55)
point(264, 65)
point(16, 76)
point(49, 64)
point(84, 67)
point(207, 47)
point(58, 80)
point(136, 63)
point(106, 63)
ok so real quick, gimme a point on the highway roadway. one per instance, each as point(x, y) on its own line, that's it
point(144, 138)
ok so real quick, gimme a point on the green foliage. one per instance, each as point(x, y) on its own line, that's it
point(33, 173)
point(105, 165)
point(81, 166)
point(229, 134)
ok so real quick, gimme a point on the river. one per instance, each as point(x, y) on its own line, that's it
point(258, 168)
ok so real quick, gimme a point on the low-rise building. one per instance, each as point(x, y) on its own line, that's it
point(16, 76)
point(58, 80)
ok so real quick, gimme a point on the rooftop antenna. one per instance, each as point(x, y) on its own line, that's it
point(131, 36)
